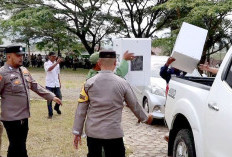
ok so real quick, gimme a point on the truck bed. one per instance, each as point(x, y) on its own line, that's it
point(199, 82)
point(208, 81)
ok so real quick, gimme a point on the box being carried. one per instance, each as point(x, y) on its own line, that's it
point(140, 67)
point(188, 47)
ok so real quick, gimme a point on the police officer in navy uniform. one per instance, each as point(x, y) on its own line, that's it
point(15, 82)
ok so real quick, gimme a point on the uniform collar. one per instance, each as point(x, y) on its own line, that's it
point(10, 67)
point(105, 71)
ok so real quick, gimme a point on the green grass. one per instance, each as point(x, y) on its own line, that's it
point(78, 71)
point(50, 137)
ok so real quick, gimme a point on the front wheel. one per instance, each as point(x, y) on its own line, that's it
point(146, 105)
point(184, 144)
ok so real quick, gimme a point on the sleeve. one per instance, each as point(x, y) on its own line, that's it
point(81, 112)
point(58, 68)
point(122, 70)
point(1, 83)
point(46, 66)
point(165, 74)
point(40, 90)
point(134, 106)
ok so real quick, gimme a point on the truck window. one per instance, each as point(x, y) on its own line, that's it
point(228, 77)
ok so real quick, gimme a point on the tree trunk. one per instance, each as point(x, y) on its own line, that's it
point(29, 51)
point(58, 49)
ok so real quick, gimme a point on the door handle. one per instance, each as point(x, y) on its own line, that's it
point(213, 106)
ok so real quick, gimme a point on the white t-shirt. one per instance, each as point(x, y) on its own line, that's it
point(52, 79)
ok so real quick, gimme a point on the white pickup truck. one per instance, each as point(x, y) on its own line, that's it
point(198, 113)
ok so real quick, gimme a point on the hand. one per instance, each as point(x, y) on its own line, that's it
point(77, 140)
point(59, 60)
point(57, 100)
point(170, 60)
point(204, 67)
point(128, 56)
point(150, 119)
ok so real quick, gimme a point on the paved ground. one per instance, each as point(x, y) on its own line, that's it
point(144, 140)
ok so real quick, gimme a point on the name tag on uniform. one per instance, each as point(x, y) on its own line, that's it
point(15, 78)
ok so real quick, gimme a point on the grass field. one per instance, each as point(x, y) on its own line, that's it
point(50, 137)
point(53, 137)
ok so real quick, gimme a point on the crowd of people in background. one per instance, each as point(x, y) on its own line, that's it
point(68, 62)
point(71, 62)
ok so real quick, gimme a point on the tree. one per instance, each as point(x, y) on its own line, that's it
point(38, 25)
point(208, 14)
point(89, 20)
point(138, 18)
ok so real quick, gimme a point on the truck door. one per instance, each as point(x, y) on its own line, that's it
point(218, 125)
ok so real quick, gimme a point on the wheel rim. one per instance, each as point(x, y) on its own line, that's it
point(182, 150)
point(145, 105)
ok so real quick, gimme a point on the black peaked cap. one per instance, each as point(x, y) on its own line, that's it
point(107, 54)
point(14, 49)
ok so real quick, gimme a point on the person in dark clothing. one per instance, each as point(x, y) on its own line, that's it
point(166, 72)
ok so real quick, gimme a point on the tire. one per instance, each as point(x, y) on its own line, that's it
point(146, 105)
point(184, 144)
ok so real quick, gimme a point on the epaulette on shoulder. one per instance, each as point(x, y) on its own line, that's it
point(24, 70)
point(2, 69)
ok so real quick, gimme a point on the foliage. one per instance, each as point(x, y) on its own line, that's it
point(40, 26)
point(138, 17)
point(86, 19)
point(90, 21)
point(208, 14)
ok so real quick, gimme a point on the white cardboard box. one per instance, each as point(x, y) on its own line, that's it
point(139, 68)
point(188, 47)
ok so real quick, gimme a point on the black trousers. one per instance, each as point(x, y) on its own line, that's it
point(17, 134)
point(112, 147)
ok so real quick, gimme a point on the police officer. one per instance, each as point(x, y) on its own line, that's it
point(15, 82)
point(101, 101)
point(121, 71)
point(1, 131)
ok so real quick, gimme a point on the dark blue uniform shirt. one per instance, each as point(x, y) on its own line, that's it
point(166, 73)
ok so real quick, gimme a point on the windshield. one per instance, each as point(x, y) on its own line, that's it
point(155, 70)
point(156, 63)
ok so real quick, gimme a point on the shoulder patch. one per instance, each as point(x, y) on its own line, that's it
point(17, 82)
point(1, 77)
point(83, 96)
point(25, 71)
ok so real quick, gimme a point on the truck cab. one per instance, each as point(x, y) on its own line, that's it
point(198, 113)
